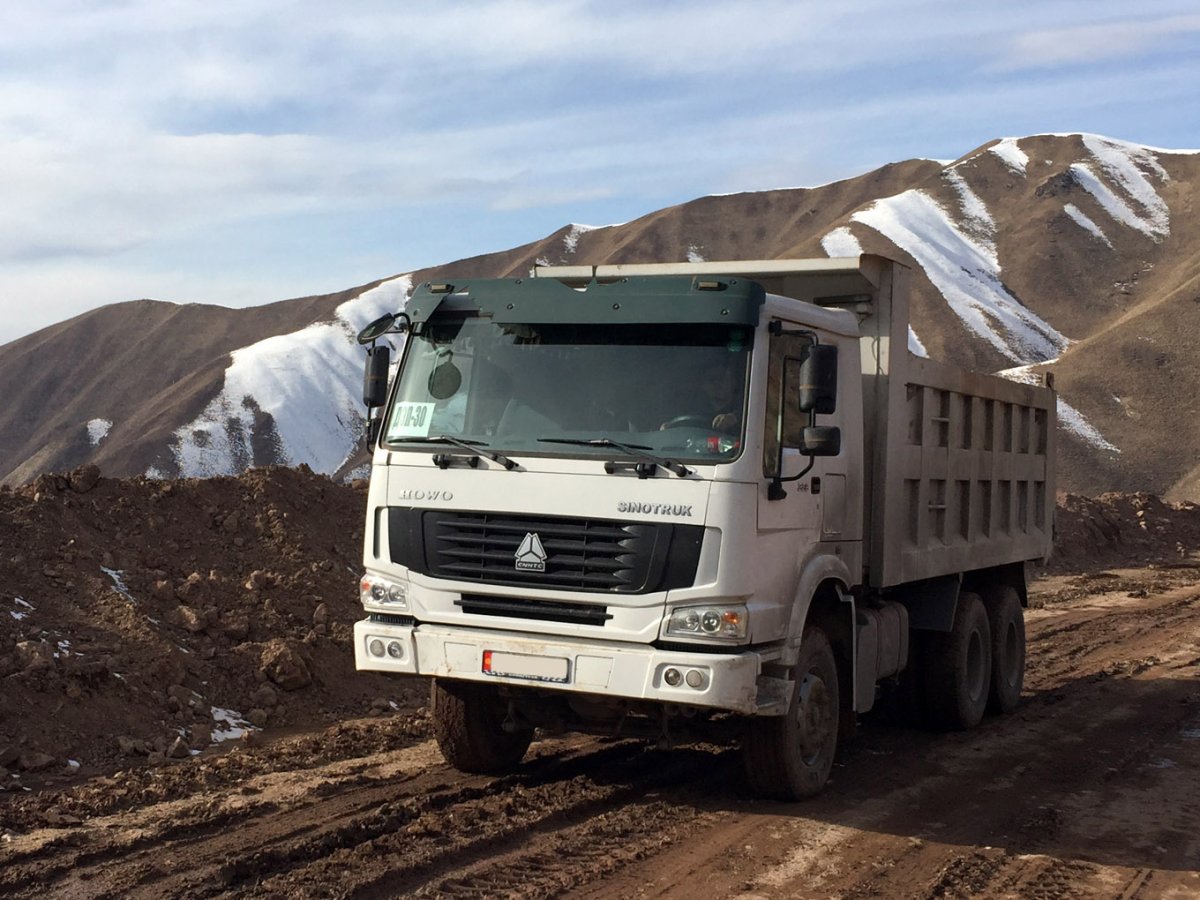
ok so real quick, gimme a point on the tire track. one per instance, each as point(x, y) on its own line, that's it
point(531, 824)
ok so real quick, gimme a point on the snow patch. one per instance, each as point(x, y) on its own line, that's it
point(694, 255)
point(1117, 208)
point(360, 472)
point(1068, 416)
point(98, 429)
point(841, 242)
point(1011, 154)
point(1072, 420)
point(308, 383)
point(1118, 143)
point(1126, 165)
point(915, 347)
point(966, 272)
point(571, 238)
point(118, 579)
point(1084, 221)
point(230, 725)
point(978, 220)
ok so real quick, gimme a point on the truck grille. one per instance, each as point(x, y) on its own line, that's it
point(530, 608)
point(579, 554)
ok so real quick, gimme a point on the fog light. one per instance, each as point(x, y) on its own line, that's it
point(395, 651)
point(672, 677)
point(694, 679)
point(375, 647)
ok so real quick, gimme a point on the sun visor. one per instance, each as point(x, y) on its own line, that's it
point(639, 299)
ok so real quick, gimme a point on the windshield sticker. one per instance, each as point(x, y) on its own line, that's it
point(411, 419)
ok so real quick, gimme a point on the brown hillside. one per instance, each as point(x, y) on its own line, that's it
point(147, 366)
point(1027, 218)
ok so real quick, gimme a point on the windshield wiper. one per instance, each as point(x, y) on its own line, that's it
point(638, 450)
point(442, 460)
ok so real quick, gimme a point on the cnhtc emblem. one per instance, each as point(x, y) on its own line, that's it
point(531, 555)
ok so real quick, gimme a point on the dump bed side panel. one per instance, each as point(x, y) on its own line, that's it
point(968, 473)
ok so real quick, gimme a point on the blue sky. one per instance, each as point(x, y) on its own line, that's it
point(243, 151)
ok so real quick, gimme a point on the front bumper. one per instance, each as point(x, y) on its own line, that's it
point(727, 681)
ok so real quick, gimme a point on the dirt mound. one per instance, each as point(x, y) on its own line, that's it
point(1116, 529)
point(151, 619)
point(144, 620)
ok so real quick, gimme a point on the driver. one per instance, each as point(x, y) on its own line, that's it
point(720, 397)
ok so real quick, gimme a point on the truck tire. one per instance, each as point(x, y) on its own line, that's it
point(1007, 622)
point(467, 722)
point(789, 757)
point(958, 668)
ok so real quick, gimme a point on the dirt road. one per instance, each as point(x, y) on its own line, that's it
point(1091, 789)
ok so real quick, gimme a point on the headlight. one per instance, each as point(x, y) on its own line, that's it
point(722, 622)
point(376, 591)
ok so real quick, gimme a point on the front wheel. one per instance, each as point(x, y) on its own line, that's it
point(789, 757)
point(468, 722)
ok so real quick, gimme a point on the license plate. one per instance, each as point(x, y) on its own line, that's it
point(526, 665)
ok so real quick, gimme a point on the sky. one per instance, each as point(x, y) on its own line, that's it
point(242, 151)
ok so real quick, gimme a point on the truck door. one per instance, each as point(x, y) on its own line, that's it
point(822, 503)
point(782, 427)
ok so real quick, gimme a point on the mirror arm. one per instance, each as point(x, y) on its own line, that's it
point(775, 489)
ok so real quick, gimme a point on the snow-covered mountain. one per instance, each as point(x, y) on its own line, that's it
point(1070, 253)
point(299, 395)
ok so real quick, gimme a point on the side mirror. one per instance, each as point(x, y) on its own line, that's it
point(385, 324)
point(818, 380)
point(821, 440)
point(375, 378)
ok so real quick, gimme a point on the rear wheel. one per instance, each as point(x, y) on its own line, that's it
point(1006, 620)
point(468, 722)
point(789, 757)
point(958, 668)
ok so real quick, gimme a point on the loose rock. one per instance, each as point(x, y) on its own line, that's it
point(285, 666)
point(84, 478)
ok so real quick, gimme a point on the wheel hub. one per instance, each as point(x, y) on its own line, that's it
point(814, 715)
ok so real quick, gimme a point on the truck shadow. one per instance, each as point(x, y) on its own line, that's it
point(1101, 769)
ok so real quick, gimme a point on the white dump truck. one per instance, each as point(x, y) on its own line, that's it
point(655, 499)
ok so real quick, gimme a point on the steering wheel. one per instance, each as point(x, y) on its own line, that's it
point(688, 422)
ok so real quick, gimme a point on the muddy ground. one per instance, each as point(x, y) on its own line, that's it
point(123, 708)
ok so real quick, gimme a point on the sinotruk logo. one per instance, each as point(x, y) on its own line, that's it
point(531, 555)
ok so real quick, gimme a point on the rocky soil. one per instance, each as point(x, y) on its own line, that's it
point(145, 619)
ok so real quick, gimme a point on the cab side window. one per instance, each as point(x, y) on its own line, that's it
point(784, 421)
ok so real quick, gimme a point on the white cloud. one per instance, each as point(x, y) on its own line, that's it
point(1094, 43)
point(129, 128)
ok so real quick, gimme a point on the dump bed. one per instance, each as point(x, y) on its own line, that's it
point(959, 464)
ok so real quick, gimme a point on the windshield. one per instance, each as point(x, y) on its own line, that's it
point(678, 390)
